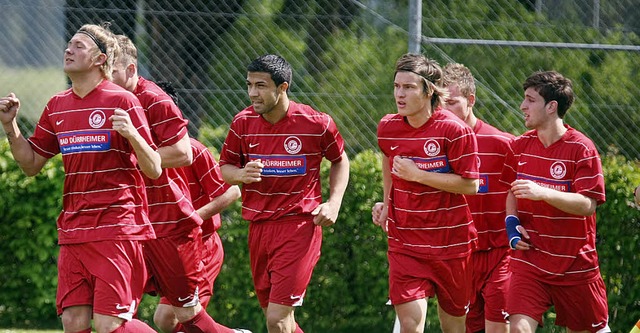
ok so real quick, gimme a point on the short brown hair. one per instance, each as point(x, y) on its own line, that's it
point(552, 86)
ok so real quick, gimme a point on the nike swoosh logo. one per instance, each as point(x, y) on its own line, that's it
point(59, 122)
point(394, 147)
point(180, 299)
point(522, 163)
point(598, 324)
point(122, 307)
point(253, 145)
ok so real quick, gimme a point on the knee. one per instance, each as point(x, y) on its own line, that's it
point(165, 319)
point(76, 319)
point(277, 323)
point(409, 324)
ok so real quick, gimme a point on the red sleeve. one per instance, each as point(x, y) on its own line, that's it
point(44, 141)
point(165, 118)
point(231, 149)
point(207, 170)
point(333, 144)
point(509, 173)
point(589, 179)
point(463, 154)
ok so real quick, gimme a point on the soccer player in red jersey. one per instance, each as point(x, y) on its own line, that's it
point(175, 257)
point(210, 195)
point(274, 149)
point(490, 260)
point(103, 136)
point(429, 162)
point(556, 182)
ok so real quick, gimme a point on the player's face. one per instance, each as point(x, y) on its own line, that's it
point(262, 91)
point(408, 89)
point(534, 109)
point(78, 56)
point(457, 103)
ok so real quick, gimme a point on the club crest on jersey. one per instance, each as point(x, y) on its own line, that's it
point(292, 145)
point(558, 170)
point(432, 147)
point(97, 118)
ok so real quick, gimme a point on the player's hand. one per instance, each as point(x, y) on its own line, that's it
point(635, 195)
point(252, 172)
point(121, 123)
point(526, 189)
point(405, 168)
point(9, 107)
point(379, 215)
point(326, 214)
point(522, 245)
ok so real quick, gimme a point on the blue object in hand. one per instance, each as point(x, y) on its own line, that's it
point(513, 234)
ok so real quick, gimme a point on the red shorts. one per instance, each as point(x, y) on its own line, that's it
point(107, 275)
point(580, 307)
point(283, 255)
point(212, 261)
point(176, 268)
point(412, 278)
point(490, 285)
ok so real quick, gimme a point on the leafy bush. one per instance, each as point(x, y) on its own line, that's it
point(30, 207)
point(348, 290)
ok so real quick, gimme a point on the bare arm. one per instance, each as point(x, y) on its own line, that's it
point(380, 210)
point(219, 203)
point(148, 159)
point(572, 203)
point(407, 169)
point(178, 154)
point(326, 214)
point(29, 161)
point(249, 174)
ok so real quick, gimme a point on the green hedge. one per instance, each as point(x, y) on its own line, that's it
point(348, 290)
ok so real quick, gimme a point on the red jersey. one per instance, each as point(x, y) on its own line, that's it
point(425, 221)
point(103, 196)
point(564, 248)
point(170, 209)
point(205, 183)
point(291, 151)
point(488, 206)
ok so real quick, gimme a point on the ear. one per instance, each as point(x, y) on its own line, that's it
point(283, 86)
point(471, 100)
point(552, 107)
point(101, 59)
point(131, 70)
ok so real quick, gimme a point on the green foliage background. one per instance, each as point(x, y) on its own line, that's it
point(348, 290)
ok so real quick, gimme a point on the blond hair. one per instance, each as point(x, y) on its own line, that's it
point(105, 43)
point(459, 75)
point(127, 51)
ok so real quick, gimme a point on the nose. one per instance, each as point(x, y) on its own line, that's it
point(252, 91)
